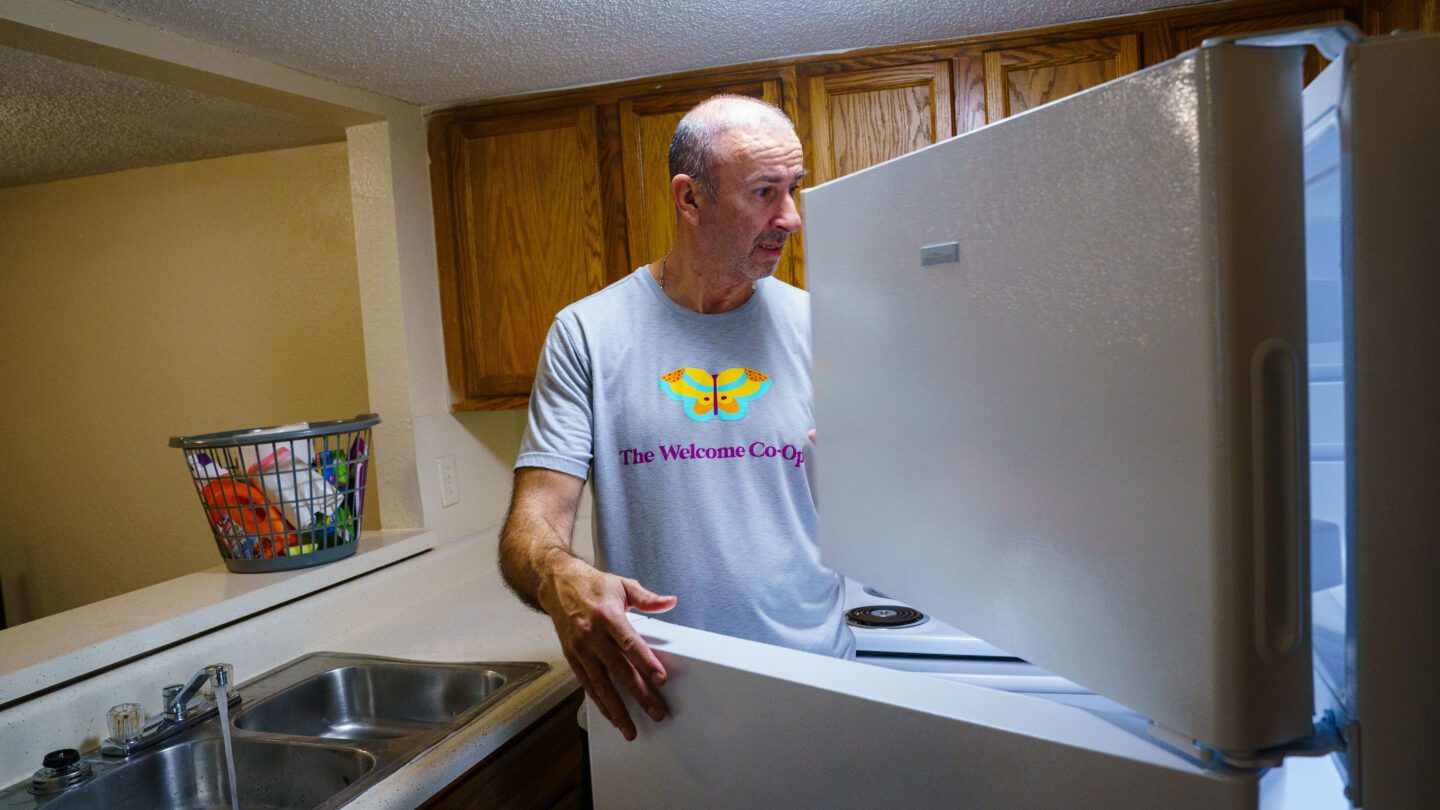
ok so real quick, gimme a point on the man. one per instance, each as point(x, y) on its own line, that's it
point(683, 391)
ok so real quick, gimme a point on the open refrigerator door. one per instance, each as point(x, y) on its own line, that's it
point(1084, 435)
point(1090, 453)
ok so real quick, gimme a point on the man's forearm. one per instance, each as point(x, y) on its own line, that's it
point(536, 534)
point(587, 606)
point(531, 549)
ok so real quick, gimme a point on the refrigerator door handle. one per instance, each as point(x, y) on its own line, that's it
point(1278, 501)
point(1330, 40)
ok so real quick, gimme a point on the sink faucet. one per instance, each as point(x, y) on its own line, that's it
point(178, 696)
point(177, 716)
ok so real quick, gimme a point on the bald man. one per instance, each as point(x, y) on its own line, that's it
point(682, 393)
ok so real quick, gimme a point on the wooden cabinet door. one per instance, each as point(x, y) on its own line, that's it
point(1192, 36)
point(528, 241)
point(647, 123)
point(1384, 16)
point(538, 768)
point(861, 118)
point(1019, 78)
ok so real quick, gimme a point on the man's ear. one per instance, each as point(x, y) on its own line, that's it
point(686, 193)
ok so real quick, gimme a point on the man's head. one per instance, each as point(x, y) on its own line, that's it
point(736, 163)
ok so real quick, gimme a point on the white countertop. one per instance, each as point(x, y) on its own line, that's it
point(445, 604)
point(38, 655)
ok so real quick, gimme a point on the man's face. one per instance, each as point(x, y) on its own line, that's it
point(756, 180)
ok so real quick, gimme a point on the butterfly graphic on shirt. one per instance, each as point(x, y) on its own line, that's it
point(727, 395)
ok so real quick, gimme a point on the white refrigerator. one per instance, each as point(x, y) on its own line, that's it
point(1088, 382)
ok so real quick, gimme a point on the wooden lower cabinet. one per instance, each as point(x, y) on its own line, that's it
point(539, 769)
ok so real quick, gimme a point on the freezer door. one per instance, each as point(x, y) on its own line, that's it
point(753, 725)
point(1079, 433)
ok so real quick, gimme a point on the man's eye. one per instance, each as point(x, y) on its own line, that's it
point(762, 193)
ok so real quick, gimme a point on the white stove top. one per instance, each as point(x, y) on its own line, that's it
point(937, 649)
point(930, 637)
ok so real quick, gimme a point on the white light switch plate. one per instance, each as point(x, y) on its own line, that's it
point(449, 482)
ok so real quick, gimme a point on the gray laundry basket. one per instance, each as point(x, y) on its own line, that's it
point(282, 498)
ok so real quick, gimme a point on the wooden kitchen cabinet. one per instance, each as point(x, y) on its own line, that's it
point(1019, 78)
point(1191, 36)
point(647, 124)
point(863, 117)
point(526, 227)
point(539, 769)
point(1384, 16)
point(542, 200)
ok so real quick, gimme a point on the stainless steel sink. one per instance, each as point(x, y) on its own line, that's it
point(373, 701)
point(315, 732)
point(193, 776)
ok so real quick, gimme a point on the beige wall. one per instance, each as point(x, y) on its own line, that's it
point(143, 304)
point(405, 356)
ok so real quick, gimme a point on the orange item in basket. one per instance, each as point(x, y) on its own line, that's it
point(248, 507)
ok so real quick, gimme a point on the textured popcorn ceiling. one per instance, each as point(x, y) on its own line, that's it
point(59, 119)
point(443, 51)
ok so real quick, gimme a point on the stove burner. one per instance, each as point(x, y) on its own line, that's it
point(887, 616)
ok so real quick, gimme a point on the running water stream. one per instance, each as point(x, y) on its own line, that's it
point(222, 700)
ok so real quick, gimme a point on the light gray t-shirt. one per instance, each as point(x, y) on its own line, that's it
point(692, 430)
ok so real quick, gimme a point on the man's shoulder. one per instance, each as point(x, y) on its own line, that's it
point(613, 299)
point(787, 292)
point(792, 301)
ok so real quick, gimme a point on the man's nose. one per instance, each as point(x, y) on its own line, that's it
point(788, 218)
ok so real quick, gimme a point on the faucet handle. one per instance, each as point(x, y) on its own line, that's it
point(171, 695)
point(126, 722)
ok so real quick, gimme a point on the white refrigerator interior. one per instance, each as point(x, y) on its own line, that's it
point(1063, 370)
